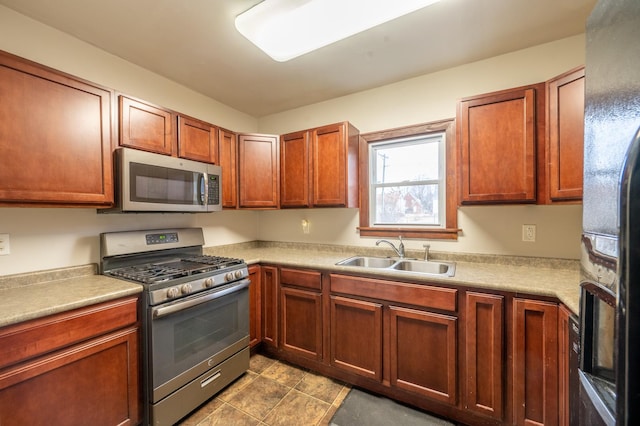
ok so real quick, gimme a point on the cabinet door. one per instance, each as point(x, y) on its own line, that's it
point(566, 136)
point(294, 170)
point(94, 383)
point(535, 362)
point(269, 287)
point(258, 174)
point(498, 147)
point(356, 336)
point(146, 126)
point(55, 137)
point(255, 304)
point(301, 325)
point(484, 355)
point(423, 353)
point(197, 140)
point(228, 142)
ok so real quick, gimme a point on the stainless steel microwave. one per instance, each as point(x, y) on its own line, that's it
point(147, 182)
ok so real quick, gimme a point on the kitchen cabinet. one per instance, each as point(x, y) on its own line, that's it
point(319, 167)
point(565, 141)
point(258, 171)
point(77, 367)
point(146, 126)
point(55, 137)
point(269, 298)
point(228, 143)
point(197, 140)
point(255, 306)
point(483, 387)
point(497, 142)
point(535, 362)
point(301, 312)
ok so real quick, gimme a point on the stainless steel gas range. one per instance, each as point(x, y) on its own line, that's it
point(195, 316)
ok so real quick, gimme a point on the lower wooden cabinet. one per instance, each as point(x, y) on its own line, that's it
point(255, 311)
point(484, 379)
point(535, 362)
point(77, 375)
point(423, 353)
point(269, 298)
point(356, 336)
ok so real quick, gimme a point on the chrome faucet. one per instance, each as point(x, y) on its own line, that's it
point(399, 251)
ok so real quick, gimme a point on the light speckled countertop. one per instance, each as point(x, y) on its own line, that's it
point(526, 276)
point(34, 295)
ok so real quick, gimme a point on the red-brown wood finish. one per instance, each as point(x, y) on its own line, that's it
point(497, 134)
point(356, 336)
point(197, 140)
point(258, 171)
point(88, 375)
point(566, 135)
point(301, 322)
point(55, 137)
point(146, 126)
point(228, 142)
point(255, 305)
point(564, 349)
point(484, 354)
point(335, 165)
point(535, 362)
point(294, 170)
point(269, 297)
point(424, 353)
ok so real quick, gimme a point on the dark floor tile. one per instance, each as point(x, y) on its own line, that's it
point(295, 409)
point(259, 397)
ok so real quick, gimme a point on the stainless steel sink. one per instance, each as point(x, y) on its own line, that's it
point(367, 262)
point(424, 267)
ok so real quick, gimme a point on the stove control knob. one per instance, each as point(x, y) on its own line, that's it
point(173, 292)
point(208, 282)
point(186, 288)
point(238, 274)
point(228, 276)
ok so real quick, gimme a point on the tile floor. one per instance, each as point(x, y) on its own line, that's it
point(272, 393)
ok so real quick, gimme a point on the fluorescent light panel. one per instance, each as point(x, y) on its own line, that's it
point(286, 29)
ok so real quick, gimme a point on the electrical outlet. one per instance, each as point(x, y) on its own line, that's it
point(5, 246)
point(305, 226)
point(529, 233)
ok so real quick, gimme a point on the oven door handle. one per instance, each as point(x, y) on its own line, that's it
point(162, 311)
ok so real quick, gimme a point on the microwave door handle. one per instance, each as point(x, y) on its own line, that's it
point(202, 189)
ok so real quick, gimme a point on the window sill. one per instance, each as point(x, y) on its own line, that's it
point(434, 234)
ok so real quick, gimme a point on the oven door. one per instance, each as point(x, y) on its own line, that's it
point(190, 336)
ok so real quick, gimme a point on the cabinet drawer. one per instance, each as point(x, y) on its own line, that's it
point(414, 294)
point(33, 338)
point(298, 278)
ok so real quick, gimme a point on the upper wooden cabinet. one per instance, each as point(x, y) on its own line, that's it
point(319, 167)
point(258, 171)
point(197, 140)
point(497, 135)
point(146, 126)
point(55, 137)
point(565, 141)
point(228, 155)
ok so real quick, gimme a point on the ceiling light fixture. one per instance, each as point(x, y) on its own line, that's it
point(286, 29)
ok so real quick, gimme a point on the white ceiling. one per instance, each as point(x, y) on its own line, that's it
point(194, 42)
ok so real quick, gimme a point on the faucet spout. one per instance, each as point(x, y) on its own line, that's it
point(399, 250)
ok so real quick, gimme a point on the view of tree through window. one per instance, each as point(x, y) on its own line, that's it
point(407, 181)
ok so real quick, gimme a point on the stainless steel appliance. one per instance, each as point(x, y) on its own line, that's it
point(195, 316)
point(149, 182)
point(609, 377)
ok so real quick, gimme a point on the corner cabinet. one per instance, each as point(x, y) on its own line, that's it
point(497, 141)
point(78, 367)
point(55, 137)
point(319, 167)
point(258, 171)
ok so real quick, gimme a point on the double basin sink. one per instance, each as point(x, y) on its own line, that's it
point(424, 267)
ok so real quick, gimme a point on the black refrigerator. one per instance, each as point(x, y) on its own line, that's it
point(610, 263)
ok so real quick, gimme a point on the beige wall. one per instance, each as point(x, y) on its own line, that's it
point(53, 238)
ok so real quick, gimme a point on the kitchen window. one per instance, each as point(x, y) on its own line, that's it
point(409, 181)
